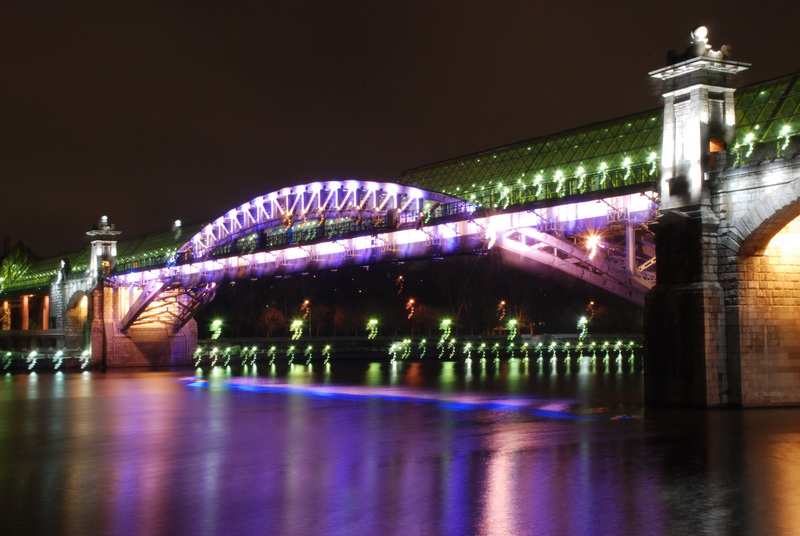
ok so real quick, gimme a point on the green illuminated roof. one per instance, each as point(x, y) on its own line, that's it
point(151, 249)
point(155, 248)
point(767, 113)
point(627, 149)
point(625, 145)
point(42, 271)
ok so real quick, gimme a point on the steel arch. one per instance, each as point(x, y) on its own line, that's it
point(384, 205)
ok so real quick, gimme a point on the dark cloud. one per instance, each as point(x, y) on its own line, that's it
point(173, 110)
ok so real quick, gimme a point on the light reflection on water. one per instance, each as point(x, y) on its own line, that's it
point(384, 448)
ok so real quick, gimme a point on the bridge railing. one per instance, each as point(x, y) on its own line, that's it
point(513, 195)
point(141, 263)
point(310, 232)
point(32, 339)
point(748, 153)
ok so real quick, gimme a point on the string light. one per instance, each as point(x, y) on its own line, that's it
point(410, 307)
point(216, 329)
point(372, 328)
point(512, 329)
point(296, 328)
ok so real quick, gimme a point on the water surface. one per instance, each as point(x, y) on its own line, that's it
point(362, 448)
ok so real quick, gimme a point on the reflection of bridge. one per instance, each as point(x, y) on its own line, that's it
point(723, 317)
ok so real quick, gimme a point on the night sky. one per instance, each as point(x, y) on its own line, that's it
point(184, 109)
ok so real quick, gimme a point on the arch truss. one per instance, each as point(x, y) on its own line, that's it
point(284, 230)
point(316, 212)
point(168, 303)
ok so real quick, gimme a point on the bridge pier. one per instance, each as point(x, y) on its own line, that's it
point(686, 318)
point(686, 326)
point(151, 345)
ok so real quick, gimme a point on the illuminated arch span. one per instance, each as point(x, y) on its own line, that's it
point(765, 218)
point(317, 204)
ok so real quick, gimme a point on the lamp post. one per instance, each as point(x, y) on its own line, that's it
point(583, 328)
point(372, 328)
point(305, 308)
point(446, 327)
point(216, 329)
point(501, 310)
point(410, 309)
point(512, 329)
point(296, 329)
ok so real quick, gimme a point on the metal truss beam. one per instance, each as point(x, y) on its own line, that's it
point(175, 306)
point(573, 260)
point(151, 291)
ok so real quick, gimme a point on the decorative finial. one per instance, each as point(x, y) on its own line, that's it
point(699, 48)
point(700, 41)
point(103, 227)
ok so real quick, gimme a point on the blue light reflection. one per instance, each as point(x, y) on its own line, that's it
point(450, 402)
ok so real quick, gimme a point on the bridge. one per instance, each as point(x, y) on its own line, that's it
point(706, 182)
point(325, 225)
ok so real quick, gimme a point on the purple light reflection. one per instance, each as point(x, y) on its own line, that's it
point(135, 453)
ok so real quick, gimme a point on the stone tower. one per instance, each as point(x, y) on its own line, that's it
point(685, 328)
point(103, 253)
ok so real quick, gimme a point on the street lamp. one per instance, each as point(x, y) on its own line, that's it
point(305, 308)
point(501, 310)
point(372, 328)
point(583, 327)
point(297, 329)
point(512, 329)
point(446, 327)
point(216, 328)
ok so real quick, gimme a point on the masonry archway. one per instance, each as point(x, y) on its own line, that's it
point(768, 290)
point(77, 314)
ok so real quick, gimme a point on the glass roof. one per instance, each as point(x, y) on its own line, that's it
point(146, 250)
point(766, 112)
point(43, 270)
point(618, 144)
point(155, 248)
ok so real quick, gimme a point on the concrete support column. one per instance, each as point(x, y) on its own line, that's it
point(5, 316)
point(45, 312)
point(24, 308)
point(98, 329)
point(630, 247)
point(685, 315)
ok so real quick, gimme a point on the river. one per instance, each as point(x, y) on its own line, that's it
point(378, 448)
